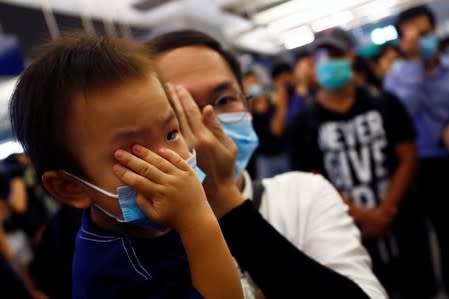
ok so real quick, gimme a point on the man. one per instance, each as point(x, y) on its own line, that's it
point(268, 121)
point(365, 146)
point(303, 207)
point(421, 83)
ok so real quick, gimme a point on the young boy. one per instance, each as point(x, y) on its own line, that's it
point(91, 113)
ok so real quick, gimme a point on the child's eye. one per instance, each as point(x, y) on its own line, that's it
point(172, 135)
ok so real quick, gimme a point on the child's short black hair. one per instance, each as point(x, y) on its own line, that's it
point(413, 12)
point(75, 63)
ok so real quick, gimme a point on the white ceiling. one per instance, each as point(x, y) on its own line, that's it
point(287, 25)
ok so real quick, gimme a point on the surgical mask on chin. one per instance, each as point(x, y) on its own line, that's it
point(126, 197)
point(428, 46)
point(334, 73)
point(238, 126)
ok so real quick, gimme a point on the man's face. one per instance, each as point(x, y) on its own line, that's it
point(205, 74)
point(101, 122)
point(249, 81)
point(419, 26)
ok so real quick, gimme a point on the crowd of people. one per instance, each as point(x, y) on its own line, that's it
point(200, 181)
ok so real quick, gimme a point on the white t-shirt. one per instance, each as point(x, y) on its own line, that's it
point(307, 210)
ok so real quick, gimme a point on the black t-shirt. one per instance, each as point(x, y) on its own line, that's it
point(355, 149)
point(268, 143)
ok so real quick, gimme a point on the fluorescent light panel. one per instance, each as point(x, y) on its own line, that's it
point(297, 37)
point(335, 20)
point(320, 9)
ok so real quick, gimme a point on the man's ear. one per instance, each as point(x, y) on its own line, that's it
point(66, 189)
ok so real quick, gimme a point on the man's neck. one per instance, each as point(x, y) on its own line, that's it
point(337, 100)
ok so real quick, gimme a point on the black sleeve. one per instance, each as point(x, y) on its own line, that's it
point(278, 268)
point(400, 127)
point(304, 152)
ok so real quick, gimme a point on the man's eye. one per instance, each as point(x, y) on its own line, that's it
point(172, 135)
point(226, 100)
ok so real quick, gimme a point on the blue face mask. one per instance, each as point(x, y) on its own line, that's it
point(238, 126)
point(428, 46)
point(334, 73)
point(126, 197)
point(255, 91)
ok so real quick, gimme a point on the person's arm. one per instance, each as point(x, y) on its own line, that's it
point(170, 193)
point(271, 259)
point(278, 268)
point(278, 121)
point(403, 176)
point(17, 197)
point(331, 237)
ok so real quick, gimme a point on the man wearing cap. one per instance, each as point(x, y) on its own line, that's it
point(365, 145)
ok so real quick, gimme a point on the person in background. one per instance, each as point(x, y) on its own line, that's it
point(270, 157)
point(147, 230)
point(385, 58)
point(365, 145)
point(302, 243)
point(420, 80)
point(365, 76)
point(305, 83)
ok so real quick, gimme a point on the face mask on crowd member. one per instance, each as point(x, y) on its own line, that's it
point(332, 56)
point(332, 73)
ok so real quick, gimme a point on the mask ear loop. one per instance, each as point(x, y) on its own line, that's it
point(104, 192)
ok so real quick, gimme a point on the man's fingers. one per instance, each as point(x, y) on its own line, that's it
point(179, 109)
point(213, 124)
point(191, 109)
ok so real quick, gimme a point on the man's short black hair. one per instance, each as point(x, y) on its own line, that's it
point(185, 38)
point(280, 68)
point(74, 64)
point(413, 12)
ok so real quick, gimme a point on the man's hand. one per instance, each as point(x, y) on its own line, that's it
point(373, 223)
point(216, 152)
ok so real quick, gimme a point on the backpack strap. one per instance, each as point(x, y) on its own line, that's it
point(258, 189)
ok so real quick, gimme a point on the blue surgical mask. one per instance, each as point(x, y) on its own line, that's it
point(334, 73)
point(126, 197)
point(428, 46)
point(238, 126)
point(255, 91)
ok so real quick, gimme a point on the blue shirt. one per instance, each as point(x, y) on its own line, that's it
point(426, 97)
point(106, 265)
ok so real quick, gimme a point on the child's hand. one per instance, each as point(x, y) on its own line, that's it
point(169, 191)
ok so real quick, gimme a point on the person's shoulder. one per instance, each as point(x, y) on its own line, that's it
point(298, 182)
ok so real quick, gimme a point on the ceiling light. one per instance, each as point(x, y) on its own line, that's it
point(297, 37)
point(320, 9)
point(280, 11)
point(335, 20)
point(383, 35)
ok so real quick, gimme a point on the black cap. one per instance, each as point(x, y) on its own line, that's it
point(333, 37)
